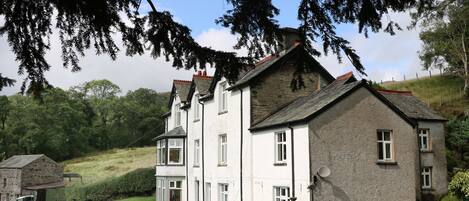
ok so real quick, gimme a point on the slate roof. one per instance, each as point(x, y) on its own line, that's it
point(19, 161)
point(202, 83)
point(46, 186)
point(182, 88)
point(174, 133)
point(306, 106)
point(411, 106)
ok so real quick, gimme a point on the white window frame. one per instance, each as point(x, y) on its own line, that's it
point(222, 149)
point(196, 152)
point(208, 191)
point(424, 139)
point(196, 107)
point(174, 187)
point(223, 192)
point(281, 193)
point(383, 143)
point(177, 114)
point(426, 177)
point(160, 189)
point(223, 98)
point(161, 152)
point(280, 147)
point(176, 145)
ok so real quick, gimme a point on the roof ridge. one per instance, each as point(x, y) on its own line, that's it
point(203, 76)
point(182, 81)
point(388, 91)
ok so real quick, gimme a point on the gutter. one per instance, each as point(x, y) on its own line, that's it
point(293, 197)
point(241, 147)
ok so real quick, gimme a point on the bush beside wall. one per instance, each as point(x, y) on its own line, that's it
point(138, 182)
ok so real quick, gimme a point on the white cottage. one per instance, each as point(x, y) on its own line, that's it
point(257, 139)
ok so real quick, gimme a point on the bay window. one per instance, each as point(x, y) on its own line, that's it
point(161, 152)
point(175, 149)
point(424, 139)
point(426, 177)
point(175, 190)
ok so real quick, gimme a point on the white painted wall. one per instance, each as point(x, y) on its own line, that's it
point(266, 175)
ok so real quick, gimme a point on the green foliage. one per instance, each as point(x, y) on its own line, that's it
point(459, 185)
point(458, 141)
point(150, 198)
point(138, 182)
point(445, 40)
point(91, 24)
point(89, 117)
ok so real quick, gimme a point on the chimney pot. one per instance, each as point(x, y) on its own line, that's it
point(205, 73)
point(199, 73)
point(290, 36)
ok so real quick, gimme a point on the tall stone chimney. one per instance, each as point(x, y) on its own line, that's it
point(290, 36)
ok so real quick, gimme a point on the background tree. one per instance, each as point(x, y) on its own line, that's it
point(85, 24)
point(457, 140)
point(4, 110)
point(446, 40)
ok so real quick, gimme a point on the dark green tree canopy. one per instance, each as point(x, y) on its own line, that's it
point(85, 24)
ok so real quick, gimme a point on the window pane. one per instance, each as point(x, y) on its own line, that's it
point(174, 155)
point(174, 195)
point(387, 136)
point(380, 135)
point(380, 151)
point(388, 151)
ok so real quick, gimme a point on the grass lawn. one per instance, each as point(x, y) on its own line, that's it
point(151, 198)
point(449, 197)
point(443, 93)
point(112, 163)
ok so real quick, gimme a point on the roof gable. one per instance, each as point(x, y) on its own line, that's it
point(19, 161)
point(181, 88)
point(177, 132)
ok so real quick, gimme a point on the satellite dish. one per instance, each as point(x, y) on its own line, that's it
point(324, 172)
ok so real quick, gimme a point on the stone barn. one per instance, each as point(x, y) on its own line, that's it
point(36, 175)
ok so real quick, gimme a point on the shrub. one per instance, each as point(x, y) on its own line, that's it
point(138, 182)
point(459, 185)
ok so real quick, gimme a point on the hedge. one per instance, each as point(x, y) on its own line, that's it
point(138, 182)
point(459, 185)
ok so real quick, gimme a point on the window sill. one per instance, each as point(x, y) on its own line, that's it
point(280, 164)
point(196, 120)
point(196, 166)
point(175, 165)
point(223, 112)
point(386, 162)
point(429, 189)
point(222, 165)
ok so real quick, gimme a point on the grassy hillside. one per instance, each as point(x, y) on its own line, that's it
point(112, 163)
point(443, 93)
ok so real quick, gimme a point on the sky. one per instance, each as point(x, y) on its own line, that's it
point(385, 57)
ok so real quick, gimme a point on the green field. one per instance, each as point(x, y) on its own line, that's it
point(112, 163)
point(443, 93)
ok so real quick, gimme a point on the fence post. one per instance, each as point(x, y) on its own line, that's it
point(417, 75)
point(404, 77)
point(430, 72)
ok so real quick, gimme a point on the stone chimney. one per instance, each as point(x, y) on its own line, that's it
point(290, 37)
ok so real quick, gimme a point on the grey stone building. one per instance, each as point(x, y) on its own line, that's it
point(36, 175)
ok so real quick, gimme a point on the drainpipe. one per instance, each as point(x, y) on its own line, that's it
point(293, 197)
point(187, 154)
point(420, 161)
point(203, 151)
point(241, 146)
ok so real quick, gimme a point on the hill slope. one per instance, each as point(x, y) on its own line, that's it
point(112, 163)
point(442, 93)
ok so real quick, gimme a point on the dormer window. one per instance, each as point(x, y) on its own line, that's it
point(196, 107)
point(223, 98)
point(177, 115)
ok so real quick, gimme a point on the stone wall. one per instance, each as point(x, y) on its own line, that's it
point(344, 138)
point(271, 91)
point(42, 171)
point(10, 184)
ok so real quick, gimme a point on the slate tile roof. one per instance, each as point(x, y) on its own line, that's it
point(175, 132)
point(304, 107)
point(202, 83)
point(182, 88)
point(19, 161)
point(411, 106)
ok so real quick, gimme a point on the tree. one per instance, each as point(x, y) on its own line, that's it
point(458, 138)
point(446, 41)
point(4, 110)
point(85, 24)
